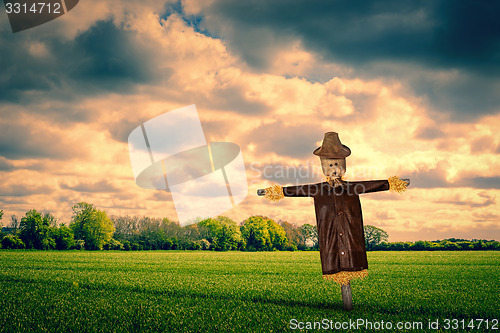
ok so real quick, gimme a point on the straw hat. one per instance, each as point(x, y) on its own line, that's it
point(332, 147)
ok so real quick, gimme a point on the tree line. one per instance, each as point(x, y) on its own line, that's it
point(92, 229)
point(376, 240)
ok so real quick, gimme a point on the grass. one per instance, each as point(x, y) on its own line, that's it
point(237, 291)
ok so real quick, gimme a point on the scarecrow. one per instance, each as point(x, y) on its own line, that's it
point(338, 214)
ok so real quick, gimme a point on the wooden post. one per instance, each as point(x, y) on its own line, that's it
point(347, 296)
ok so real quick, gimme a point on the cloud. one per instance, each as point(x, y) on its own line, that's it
point(409, 41)
point(6, 165)
point(295, 141)
point(431, 178)
point(486, 217)
point(102, 186)
point(101, 59)
point(23, 190)
point(285, 173)
point(35, 140)
point(482, 199)
point(483, 144)
point(437, 177)
point(109, 57)
point(483, 182)
point(429, 133)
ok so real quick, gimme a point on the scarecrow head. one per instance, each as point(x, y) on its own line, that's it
point(332, 154)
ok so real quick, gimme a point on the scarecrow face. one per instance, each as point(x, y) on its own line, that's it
point(333, 167)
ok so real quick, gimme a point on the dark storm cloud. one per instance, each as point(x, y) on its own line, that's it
point(101, 59)
point(107, 55)
point(440, 33)
point(341, 30)
point(467, 94)
point(428, 35)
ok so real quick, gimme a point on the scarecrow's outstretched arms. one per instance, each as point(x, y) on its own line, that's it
point(276, 192)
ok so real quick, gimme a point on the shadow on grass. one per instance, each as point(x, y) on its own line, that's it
point(335, 305)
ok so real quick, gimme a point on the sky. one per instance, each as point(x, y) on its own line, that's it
point(410, 86)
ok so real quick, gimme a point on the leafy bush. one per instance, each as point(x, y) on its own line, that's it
point(113, 244)
point(204, 244)
point(12, 242)
point(64, 238)
point(263, 234)
point(79, 244)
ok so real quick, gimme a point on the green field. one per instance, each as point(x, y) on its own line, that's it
point(239, 291)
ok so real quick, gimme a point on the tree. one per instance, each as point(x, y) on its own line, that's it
point(14, 223)
point(91, 225)
point(222, 233)
point(263, 234)
point(150, 233)
point(254, 230)
point(374, 236)
point(64, 238)
point(292, 234)
point(308, 235)
point(1, 224)
point(277, 235)
point(12, 242)
point(36, 230)
point(420, 246)
point(230, 236)
point(113, 244)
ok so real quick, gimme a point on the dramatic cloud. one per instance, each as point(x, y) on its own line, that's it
point(446, 51)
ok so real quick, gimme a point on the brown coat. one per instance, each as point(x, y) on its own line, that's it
point(340, 222)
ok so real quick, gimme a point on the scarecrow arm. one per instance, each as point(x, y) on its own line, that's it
point(302, 190)
point(394, 184)
point(368, 186)
point(276, 192)
point(273, 193)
